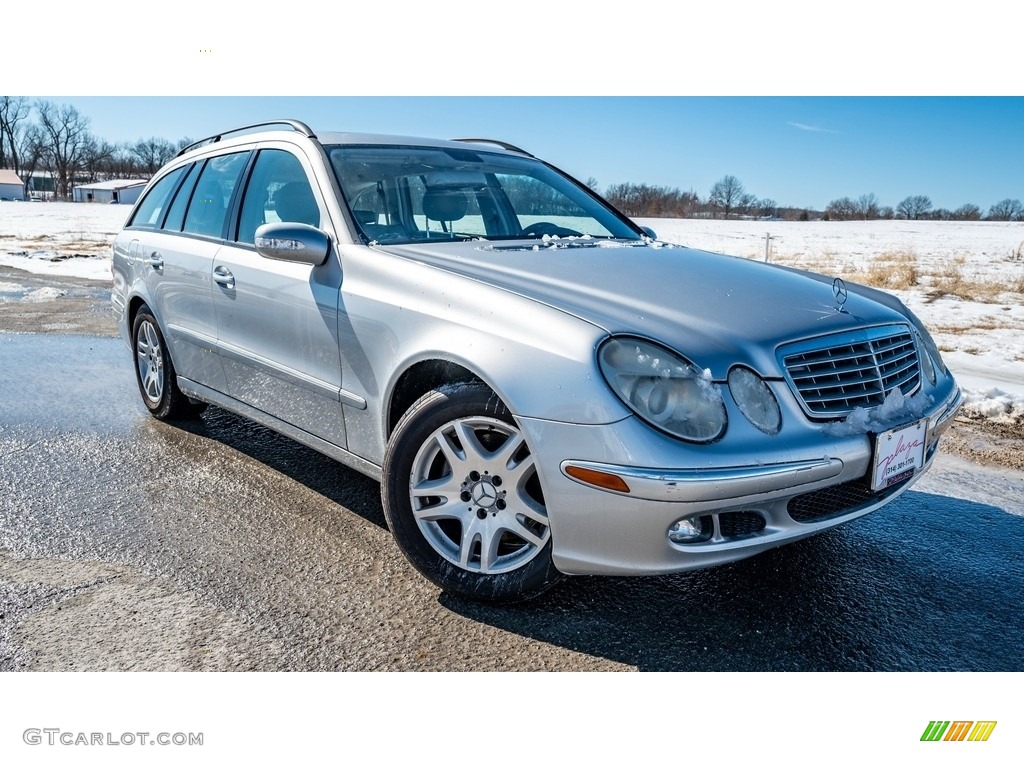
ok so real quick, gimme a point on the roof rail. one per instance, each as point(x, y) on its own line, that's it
point(496, 142)
point(296, 125)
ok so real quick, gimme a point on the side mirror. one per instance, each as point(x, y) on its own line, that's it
point(299, 243)
point(649, 232)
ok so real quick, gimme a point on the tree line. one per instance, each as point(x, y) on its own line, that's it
point(42, 136)
point(728, 199)
point(919, 207)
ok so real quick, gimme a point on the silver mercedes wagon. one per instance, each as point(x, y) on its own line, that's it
point(540, 385)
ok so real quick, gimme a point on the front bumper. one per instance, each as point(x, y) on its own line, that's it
point(749, 500)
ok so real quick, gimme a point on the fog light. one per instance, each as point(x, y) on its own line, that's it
point(686, 531)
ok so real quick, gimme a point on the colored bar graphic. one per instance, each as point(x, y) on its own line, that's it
point(959, 730)
point(935, 730)
point(982, 730)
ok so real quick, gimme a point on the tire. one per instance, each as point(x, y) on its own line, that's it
point(463, 499)
point(155, 374)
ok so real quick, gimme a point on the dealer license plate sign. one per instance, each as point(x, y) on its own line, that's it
point(899, 453)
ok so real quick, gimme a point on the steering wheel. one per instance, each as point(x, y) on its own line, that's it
point(539, 228)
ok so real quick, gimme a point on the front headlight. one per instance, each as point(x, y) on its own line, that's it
point(664, 389)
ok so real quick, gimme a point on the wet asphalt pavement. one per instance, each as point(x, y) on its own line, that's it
point(126, 543)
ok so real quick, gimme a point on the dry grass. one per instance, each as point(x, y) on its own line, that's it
point(892, 270)
point(987, 324)
point(950, 281)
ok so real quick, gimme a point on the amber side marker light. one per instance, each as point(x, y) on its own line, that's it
point(595, 477)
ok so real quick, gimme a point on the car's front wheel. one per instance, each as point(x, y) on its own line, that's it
point(463, 498)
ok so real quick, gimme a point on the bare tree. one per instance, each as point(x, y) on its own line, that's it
point(67, 138)
point(97, 159)
point(842, 209)
point(14, 110)
point(123, 163)
point(967, 212)
point(152, 153)
point(31, 151)
point(1006, 210)
point(726, 195)
point(746, 205)
point(767, 208)
point(914, 207)
point(868, 207)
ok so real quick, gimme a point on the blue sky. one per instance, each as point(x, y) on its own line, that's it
point(801, 151)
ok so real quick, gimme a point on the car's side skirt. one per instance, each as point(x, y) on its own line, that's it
point(212, 396)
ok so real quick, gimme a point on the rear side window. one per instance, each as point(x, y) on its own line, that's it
point(154, 204)
point(176, 214)
point(207, 210)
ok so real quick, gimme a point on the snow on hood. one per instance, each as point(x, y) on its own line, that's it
point(715, 310)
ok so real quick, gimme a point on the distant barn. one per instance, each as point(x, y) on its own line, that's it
point(125, 191)
point(11, 186)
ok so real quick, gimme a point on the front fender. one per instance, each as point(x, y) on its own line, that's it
point(397, 313)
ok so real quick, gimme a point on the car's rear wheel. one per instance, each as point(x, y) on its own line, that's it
point(155, 374)
point(463, 497)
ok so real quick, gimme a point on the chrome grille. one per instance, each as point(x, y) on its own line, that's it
point(835, 374)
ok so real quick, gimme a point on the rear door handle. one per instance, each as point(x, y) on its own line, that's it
point(156, 261)
point(223, 276)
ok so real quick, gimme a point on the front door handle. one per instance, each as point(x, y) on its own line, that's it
point(222, 276)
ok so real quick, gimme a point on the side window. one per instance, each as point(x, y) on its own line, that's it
point(176, 214)
point(278, 190)
point(153, 205)
point(209, 204)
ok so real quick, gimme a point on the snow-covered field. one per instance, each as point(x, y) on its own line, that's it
point(60, 238)
point(964, 279)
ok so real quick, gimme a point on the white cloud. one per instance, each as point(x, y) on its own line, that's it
point(812, 128)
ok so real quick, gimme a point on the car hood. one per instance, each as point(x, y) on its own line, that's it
point(716, 310)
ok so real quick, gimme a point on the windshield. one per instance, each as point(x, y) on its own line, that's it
point(401, 194)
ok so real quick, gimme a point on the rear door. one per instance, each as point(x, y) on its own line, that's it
point(181, 264)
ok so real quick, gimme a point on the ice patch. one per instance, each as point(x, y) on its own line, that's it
point(897, 409)
point(45, 294)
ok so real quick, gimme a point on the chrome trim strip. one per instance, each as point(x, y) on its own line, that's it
point(207, 395)
point(231, 352)
point(695, 485)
